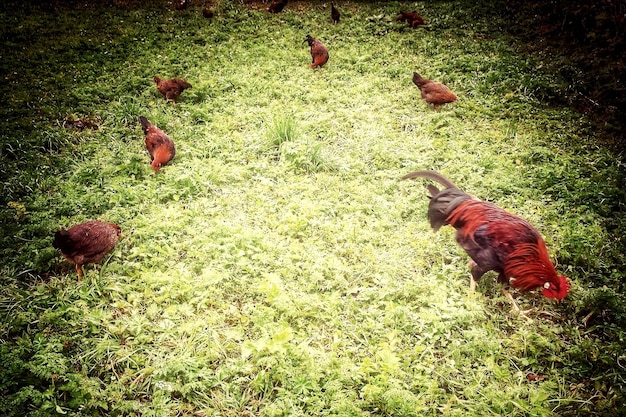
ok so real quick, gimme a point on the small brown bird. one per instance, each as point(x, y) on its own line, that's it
point(433, 92)
point(171, 88)
point(412, 18)
point(319, 53)
point(277, 6)
point(182, 4)
point(87, 242)
point(208, 13)
point(334, 14)
point(160, 146)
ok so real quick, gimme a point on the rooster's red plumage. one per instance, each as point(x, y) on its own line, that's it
point(495, 239)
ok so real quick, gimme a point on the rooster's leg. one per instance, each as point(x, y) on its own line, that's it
point(472, 285)
point(521, 313)
point(477, 273)
point(79, 271)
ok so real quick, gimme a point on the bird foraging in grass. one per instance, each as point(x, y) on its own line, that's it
point(182, 4)
point(433, 92)
point(87, 243)
point(494, 239)
point(171, 88)
point(277, 6)
point(319, 53)
point(334, 14)
point(412, 18)
point(208, 13)
point(159, 145)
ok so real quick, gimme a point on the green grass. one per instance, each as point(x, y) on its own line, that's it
point(277, 266)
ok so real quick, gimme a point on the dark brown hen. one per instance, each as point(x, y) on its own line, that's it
point(86, 243)
point(319, 53)
point(334, 14)
point(182, 4)
point(277, 6)
point(412, 18)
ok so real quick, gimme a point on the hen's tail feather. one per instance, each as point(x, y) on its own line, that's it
point(432, 175)
point(184, 84)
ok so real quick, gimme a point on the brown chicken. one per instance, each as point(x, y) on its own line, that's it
point(171, 88)
point(334, 14)
point(182, 4)
point(160, 146)
point(87, 242)
point(319, 53)
point(208, 13)
point(495, 240)
point(412, 18)
point(277, 6)
point(433, 92)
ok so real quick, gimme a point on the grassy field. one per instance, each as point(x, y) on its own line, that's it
point(278, 267)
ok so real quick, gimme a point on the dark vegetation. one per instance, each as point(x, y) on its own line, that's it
point(585, 43)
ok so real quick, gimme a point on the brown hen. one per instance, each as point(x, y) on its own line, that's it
point(182, 4)
point(433, 92)
point(171, 88)
point(319, 53)
point(277, 6)
point(412, 18)
point(160, 146)
point(87, 242)
point(334, 14)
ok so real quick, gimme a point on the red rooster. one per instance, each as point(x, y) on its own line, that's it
point(319, 53)
point(495, 240)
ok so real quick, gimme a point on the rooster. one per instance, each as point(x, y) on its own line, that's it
point(334, 14)
point(160, 146)
point(277, 6)
point(495, 240)
point(433, 92)
point(319, 53)
point(412, 18)
point(171, 88)
point(87, 242)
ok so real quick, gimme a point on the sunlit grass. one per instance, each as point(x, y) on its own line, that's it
point(277, 266)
